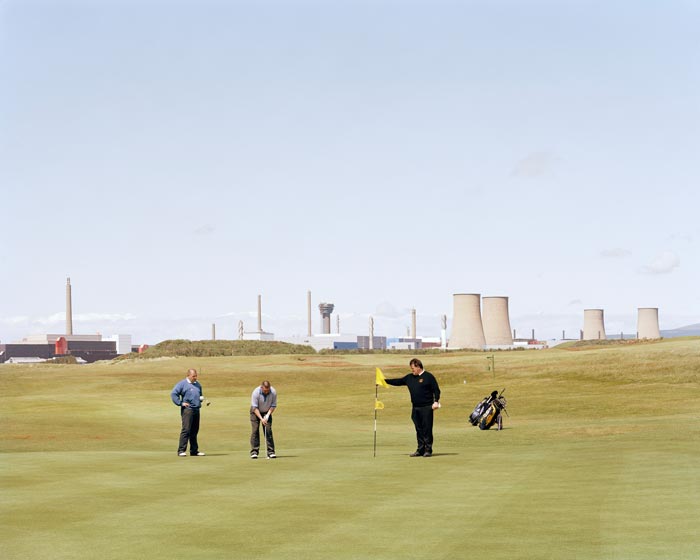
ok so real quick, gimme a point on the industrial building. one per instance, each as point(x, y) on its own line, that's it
point(86, 348)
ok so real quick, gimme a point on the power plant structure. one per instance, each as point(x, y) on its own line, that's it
point(648, 322)
point(308, 313)
point(593, 324)
point(326, 309)
point(69, 309)
point(85, 348)
point(467, 328)
point(496, 321)
point(260, 334)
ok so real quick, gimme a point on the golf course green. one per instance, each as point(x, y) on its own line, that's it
point(599, 458)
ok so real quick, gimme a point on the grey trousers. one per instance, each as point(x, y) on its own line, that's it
point(255, 434)
point(190, 429)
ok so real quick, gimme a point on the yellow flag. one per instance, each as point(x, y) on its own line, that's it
point(381, 380)
point(378, 405)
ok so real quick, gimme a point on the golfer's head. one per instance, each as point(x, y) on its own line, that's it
point(265, 387)
point(192, 374)
point(416, 366)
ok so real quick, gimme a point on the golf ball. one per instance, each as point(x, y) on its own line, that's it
point(201, 398)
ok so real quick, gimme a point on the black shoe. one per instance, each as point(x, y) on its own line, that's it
point(253, 455)
point(427, 454)
point(416, 454)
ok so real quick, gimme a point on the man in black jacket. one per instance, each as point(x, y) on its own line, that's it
point(425, 397)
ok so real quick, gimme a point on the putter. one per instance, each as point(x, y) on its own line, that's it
point(267, 451)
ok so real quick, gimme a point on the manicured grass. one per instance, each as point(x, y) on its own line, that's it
point(599, 459)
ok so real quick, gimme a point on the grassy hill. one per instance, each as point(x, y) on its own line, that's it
point(201, 348)
point(598, 459)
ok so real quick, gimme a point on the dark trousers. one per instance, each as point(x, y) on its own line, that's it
point(190, 429)
point(255, 434)
point(422, 417)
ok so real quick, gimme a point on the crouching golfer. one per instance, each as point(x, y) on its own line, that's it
point(262, 405)
point(425, 397)
point(187, 394)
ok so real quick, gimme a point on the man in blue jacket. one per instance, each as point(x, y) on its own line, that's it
point(187, 394)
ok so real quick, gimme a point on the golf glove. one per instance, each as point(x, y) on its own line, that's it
point(267, 417)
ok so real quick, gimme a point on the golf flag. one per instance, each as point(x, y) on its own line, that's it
point(381, 380)
point(378, 405)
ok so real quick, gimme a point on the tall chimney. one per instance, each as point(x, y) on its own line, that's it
point(371, 333)
point(413, 323)
point(69, 309)
point(213, 331)
point(308, 310)
point(260, 313)
point(443, 332)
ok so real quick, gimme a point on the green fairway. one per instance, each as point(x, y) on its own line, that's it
point(600, 458)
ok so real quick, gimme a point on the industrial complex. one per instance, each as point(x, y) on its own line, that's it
point(478, 323)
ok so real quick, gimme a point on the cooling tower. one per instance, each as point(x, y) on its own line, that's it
point(496, 321)
point(648, 322)
point(593, 324)
point(467, 330)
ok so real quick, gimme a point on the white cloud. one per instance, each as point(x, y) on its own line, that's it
point(535, 164)
point(206, 229)
point(662, 264)
point(615, 253)
point(387, 310)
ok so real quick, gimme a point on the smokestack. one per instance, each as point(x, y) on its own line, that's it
point(326, 309)
point(308, 311)
point(648, 322)
point(337, 323)
point(371, 333)
point(413, 323)
point(260, 313)
point(69, 309)
point(467, 329)
point(213, 331)
point(496, 321)
point(443, 332)
point(593, 324)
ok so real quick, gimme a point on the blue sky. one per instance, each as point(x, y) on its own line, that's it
point(176, 159)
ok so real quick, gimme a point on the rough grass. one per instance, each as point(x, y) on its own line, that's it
point(599, 459)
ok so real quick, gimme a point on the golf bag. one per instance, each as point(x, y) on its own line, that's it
point(493, 416)
point(487, 412)
point(481, 408)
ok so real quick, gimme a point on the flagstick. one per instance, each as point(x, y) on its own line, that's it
point(376, 395)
